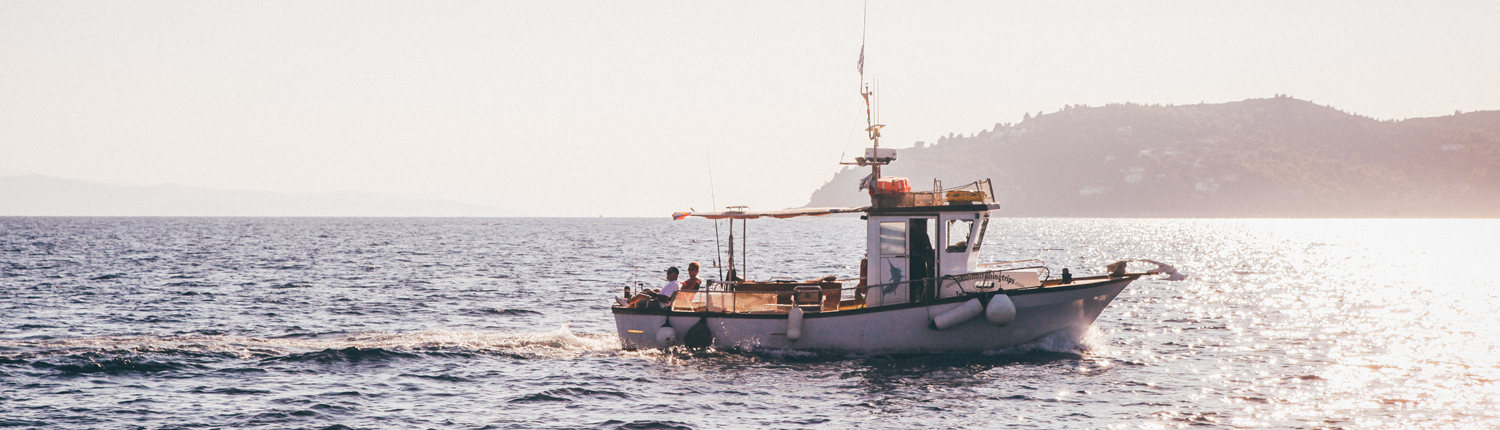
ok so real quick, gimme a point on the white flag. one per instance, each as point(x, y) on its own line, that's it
point(861, 60)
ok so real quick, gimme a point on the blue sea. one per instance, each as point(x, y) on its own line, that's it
point(498, 323)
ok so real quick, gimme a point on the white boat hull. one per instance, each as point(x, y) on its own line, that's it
point(893, 329)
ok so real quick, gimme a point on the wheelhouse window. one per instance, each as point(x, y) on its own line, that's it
point(893, 238)
point(960, 231)
point(979, 238)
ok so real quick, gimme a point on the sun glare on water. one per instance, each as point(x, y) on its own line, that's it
point(1397, 316)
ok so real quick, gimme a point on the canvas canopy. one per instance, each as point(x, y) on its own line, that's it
point(786, 213)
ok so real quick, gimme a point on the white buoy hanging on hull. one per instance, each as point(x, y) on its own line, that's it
point(1001, 311)
point(666, 335)
point(958, 315)
point(794, 324)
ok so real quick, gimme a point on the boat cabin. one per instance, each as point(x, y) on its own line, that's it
point(924, 236)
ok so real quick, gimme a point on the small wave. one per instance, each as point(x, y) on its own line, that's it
point(511, 312)
point(113, 366)
point(539, 397)
point(242, 370)
point(1089, 340)
point(569, 394)
point(350, 355)
point(650, 425)
point(443, 377)
point(230, 391)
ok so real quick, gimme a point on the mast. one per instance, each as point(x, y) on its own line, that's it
point(874, 156)
point(873, 130)
point(733, 273)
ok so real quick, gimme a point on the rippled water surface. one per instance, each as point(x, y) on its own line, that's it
point(503, 323)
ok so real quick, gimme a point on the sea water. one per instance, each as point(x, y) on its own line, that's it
point(504, 323)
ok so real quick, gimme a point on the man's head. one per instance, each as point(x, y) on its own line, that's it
point(672, 273)
point(693, 269)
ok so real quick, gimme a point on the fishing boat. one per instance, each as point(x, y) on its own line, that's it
point(921, 287)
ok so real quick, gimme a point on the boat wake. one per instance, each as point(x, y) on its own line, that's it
point(360, 347)
point(105, 353)
point(1073, 341)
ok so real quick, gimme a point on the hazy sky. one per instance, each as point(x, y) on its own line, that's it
point(615, 108)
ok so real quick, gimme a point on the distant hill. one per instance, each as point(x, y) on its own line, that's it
point(35, 195)
point(1277, 157)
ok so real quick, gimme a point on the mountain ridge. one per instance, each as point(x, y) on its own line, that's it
point(1274, 157)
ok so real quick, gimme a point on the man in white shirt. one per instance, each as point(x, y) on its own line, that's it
point(672, 285)
point(663, 297)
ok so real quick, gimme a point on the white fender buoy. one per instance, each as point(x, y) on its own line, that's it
point(794, 324)
point(1001, 311)
point(958, 315)
point(666, 336)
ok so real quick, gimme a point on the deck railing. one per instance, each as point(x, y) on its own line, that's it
point(767, 302)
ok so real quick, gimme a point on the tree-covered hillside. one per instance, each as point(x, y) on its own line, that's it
point(1277, 157)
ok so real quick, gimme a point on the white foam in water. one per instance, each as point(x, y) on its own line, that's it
point(559, 343)
point(783, 354)
point(1063, 341)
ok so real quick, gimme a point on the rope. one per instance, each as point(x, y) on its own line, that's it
point(847, 141)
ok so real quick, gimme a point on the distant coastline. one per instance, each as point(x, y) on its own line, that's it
point(37, 195)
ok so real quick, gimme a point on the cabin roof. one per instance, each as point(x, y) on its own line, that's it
point(914, 210)
point(790, 213)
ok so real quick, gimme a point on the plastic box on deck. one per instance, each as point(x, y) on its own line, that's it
point(965, 196)
point(892, 185)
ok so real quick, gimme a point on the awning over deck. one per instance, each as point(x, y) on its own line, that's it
point(786, 213)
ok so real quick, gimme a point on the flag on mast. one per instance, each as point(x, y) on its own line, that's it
point(861, 60)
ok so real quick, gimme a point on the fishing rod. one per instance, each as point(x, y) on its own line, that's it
point(714, 200)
